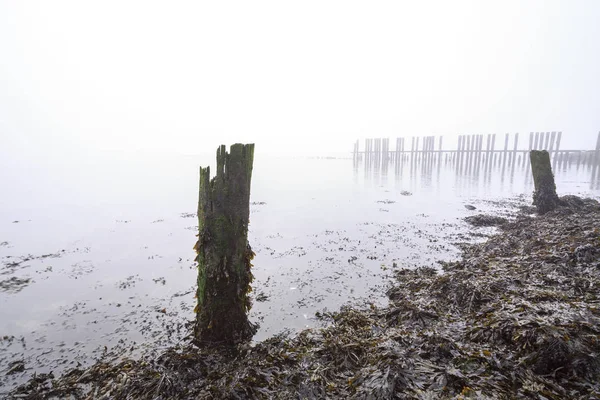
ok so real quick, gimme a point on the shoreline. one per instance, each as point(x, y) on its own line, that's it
point(518, 316)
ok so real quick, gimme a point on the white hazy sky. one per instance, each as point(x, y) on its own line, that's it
point(187, 76)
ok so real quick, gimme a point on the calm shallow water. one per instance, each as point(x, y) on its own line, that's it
point(97, 258)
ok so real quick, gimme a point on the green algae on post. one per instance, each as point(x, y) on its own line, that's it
point(224, 255)
point(544, 197)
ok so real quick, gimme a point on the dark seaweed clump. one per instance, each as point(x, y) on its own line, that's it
point(517, 317)
point(485, 220)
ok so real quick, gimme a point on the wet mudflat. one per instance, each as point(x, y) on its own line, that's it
point(114, 280)
point(516, 316)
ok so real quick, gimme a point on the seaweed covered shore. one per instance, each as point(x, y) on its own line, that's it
point(517, 317)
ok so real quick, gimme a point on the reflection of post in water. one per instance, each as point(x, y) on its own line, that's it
point(561, 160)
point(425, 173)
point(381, 153)
point(487, 170)
point(385, 158)
point(412, 149)
point(400, 157)
point(431, 151)
point(596, 164)
point(493, 155)
point(505, 153)
point(513, 161)
point(366, 160)
point(473, 166)
point(387, 151)
point(481, 154)
point(487, 154)
point(439, 161)
point(428, 150)
point(458, 153)
point(477, 156)
point(373, 152)
point(595, 183)
point(422, 164)
point(412, 154)
point(413, 159)
point(376, 166)
point(463, 154)
point(474, 144)
point(376, 159)
point(425, 155)
point(569, 156)
point(432, 155)
point(490, 156)
point(468, 155)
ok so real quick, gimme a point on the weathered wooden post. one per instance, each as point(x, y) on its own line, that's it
point(516, 145)
point(480, 152)
point(546, 141)
point(493, 145)
point(505, 154)
point(224, 255)
point(544, 196)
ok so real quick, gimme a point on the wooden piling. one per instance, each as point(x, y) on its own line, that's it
point(493, 160)
point(544, 197)
point(514, 153)
point(468, 153)
point(597, 152)
point(417, 148)
point(558, 136)
point(551, 145)
point(458, 151)
point(505, 154)
point(224, 255)
point(596, 160)
point(487, 151)
point(479, 151)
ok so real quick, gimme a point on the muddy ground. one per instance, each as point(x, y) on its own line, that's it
point(516, 317)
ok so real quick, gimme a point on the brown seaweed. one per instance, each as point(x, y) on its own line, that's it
point(517, 317)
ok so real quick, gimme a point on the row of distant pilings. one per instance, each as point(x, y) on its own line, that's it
point(470, 149)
